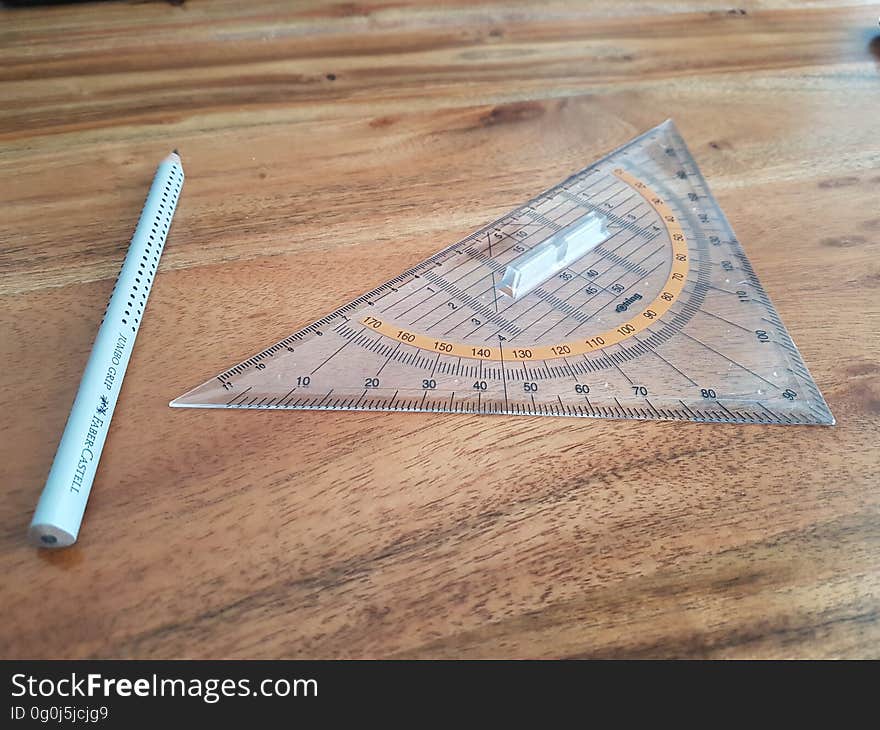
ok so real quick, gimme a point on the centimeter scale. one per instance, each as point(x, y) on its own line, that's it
point(622, 292)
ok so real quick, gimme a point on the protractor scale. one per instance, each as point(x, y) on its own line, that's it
point(622, 292)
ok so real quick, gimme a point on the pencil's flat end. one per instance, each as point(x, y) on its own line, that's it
point(50, 536)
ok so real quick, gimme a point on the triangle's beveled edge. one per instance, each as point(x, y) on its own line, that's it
point(790, 420)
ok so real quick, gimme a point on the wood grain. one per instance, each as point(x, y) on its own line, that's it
point(329, 137)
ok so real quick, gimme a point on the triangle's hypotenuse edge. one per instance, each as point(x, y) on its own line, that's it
point(637, 302)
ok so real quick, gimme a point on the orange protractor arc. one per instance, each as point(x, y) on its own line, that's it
point(637, 323)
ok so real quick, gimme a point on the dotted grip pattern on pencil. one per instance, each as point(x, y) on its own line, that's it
point(139, 267)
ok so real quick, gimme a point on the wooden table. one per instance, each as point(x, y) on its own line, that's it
point(320, 137)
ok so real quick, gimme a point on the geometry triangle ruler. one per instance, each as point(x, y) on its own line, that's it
point(619, 293)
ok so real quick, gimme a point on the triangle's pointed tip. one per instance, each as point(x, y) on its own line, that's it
point(193, 398)
point(181, 401)
point(669, 123)
point(820, 415)
point(826, 417)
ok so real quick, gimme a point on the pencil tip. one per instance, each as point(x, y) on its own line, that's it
point(176, 152)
